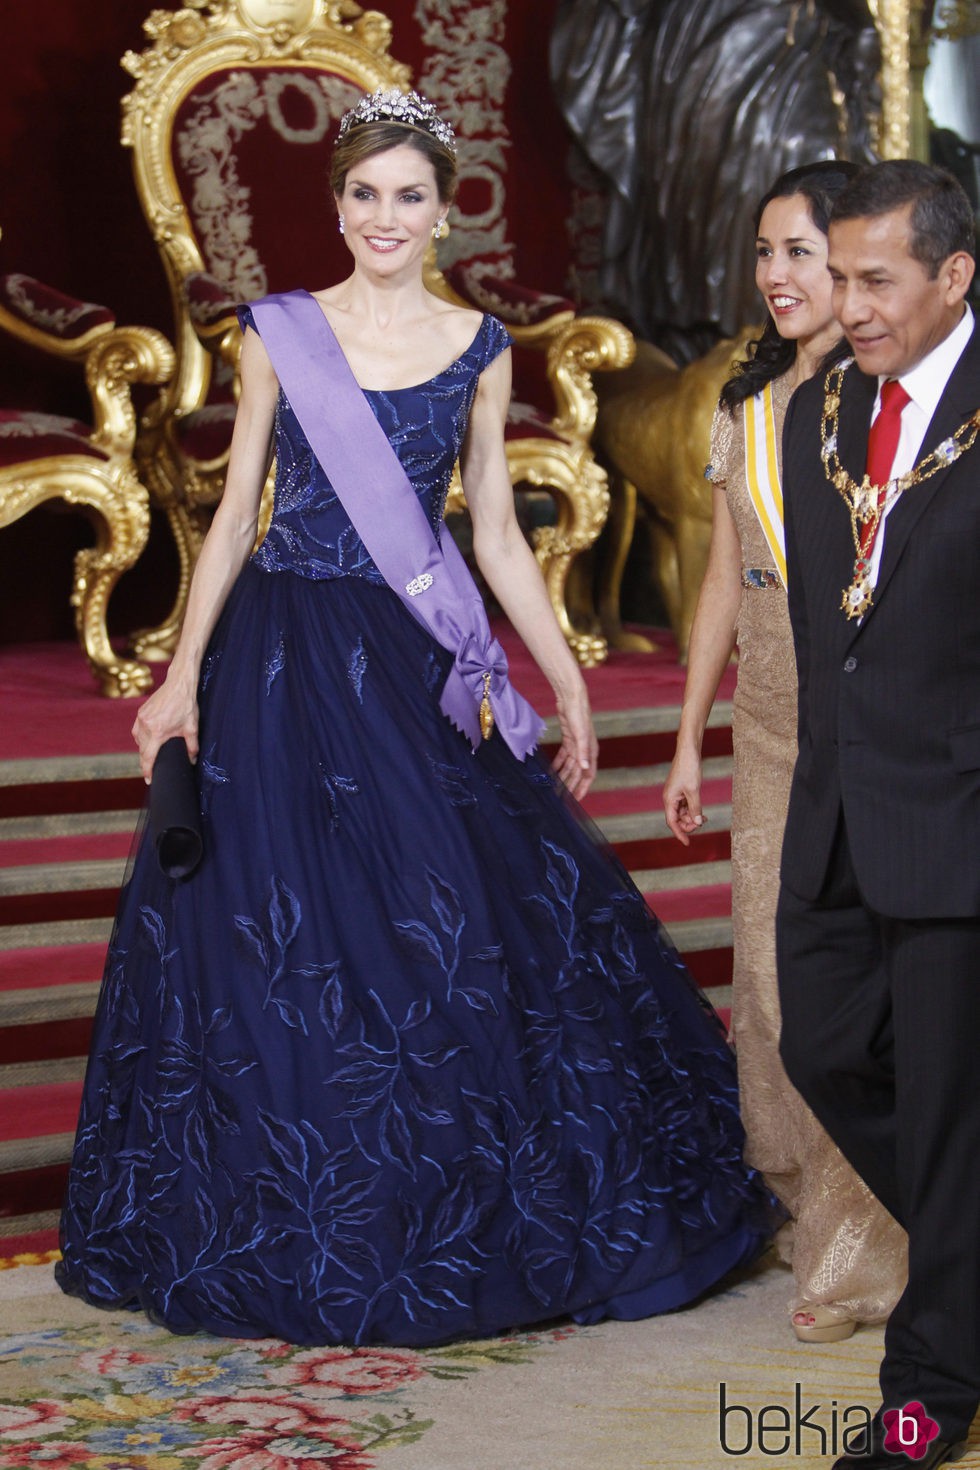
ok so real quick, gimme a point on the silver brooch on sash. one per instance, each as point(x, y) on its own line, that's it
point(419, 584)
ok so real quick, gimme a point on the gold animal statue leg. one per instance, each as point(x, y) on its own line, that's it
point(654, 428)
point(628, 443)
point(611, 564)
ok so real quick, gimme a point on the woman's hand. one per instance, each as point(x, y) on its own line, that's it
point(578, 754)
point(682, 796)
point(172, 710)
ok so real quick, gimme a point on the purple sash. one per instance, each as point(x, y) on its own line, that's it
point(432, 579)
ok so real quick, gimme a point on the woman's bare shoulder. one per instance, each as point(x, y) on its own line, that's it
point(461, 323)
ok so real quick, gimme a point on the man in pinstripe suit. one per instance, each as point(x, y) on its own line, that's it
point(879, 917)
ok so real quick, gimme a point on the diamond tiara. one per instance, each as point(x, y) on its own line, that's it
point(389, 105)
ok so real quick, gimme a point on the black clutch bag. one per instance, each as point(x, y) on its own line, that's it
point(175, 813)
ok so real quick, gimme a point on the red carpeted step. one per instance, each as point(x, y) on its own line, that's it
point(34, 1243)
point(43, 908)
point(600, 804)
point(652, 748)
point(38, 678)
point(624, 681)
point(52, 798)
point(712, 901)
point(34, 1112)
point(74, 848)
point(710, 967)
point(68, 964)
point(667, 852)
point(29, 1191)
point(47, 1041)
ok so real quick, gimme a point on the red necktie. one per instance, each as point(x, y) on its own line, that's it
point(882, 444)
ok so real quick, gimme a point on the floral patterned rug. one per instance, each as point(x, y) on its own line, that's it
point(140, 1397)
point(203, 1404)
point(82, 1389)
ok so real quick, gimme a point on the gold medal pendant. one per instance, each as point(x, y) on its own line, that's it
point(857, 598)
point(865, 501)
point(486, 713)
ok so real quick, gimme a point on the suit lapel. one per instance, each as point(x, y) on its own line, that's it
point(857, 400)
point(960, 400)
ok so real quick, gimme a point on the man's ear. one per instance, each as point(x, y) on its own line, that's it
point(957, 271)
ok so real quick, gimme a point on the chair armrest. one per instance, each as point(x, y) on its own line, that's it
point(123, 356)
point(43, 317)
point(210, 307)
point(214, 317)
point(585, 345)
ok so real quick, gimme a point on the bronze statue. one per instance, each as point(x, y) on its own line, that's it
point(688, 109)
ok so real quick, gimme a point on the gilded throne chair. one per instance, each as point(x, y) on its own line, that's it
point(89, 466)
point(231, 123)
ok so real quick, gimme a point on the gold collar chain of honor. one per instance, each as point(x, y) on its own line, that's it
point(862, 500)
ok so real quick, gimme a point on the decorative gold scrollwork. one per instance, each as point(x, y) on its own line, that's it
point(108, 490)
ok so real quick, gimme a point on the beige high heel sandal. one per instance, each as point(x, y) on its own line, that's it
point(824, 1324)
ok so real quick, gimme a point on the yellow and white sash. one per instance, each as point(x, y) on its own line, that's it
point(762, 473)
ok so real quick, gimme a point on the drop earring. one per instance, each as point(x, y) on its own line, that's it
point(439, 229)
point(340, 223)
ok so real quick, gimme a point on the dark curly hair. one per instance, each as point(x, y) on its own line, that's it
point(771, 355)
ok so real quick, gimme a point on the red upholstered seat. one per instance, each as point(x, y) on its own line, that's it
point(204, 435)
point(516, 305)
point(26, 436)
point(524, 421)
point(207, 299)
point(50, 311)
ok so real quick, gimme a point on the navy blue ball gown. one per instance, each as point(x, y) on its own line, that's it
point(407, 1058)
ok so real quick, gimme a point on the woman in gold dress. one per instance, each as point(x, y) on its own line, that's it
point(846, 1251)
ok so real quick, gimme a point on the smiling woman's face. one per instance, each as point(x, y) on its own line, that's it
point(791, 271)
point(390, 204)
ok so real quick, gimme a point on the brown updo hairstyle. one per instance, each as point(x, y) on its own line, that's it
point(364, 140)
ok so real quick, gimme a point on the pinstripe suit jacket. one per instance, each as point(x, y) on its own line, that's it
point(889, 717)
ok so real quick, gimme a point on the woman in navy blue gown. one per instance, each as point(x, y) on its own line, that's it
point(407, 1058)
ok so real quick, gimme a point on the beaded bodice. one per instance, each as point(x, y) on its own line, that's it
point(310, 533)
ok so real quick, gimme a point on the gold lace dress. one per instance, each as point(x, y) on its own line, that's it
point(844, 1247)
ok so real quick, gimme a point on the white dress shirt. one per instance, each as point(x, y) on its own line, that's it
point(925, 384)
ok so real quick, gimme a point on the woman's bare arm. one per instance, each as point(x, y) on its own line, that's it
point(508, 564)
point(711, 646)
point(172, 710)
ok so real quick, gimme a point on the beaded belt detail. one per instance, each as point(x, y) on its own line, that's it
point(760, 577)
